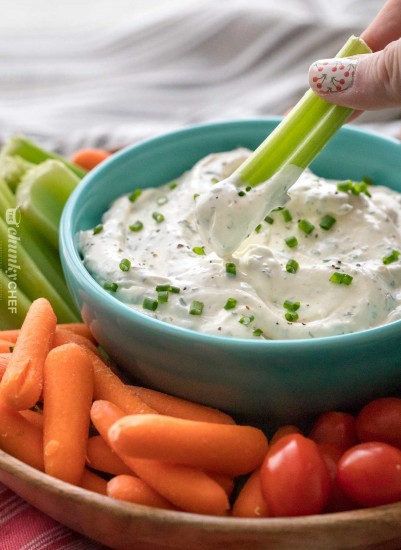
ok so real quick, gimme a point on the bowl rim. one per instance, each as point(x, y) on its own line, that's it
point(29, 475)
point(69, 253)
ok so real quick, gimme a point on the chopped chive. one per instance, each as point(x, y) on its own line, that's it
point(162, 296)
point(200, 250)
point(367, 180)
point(231, 268)
point(291, 242)
point(286, 215)
point(215, 180)
point(356, 188)
point(241, 193)
point(112, 287)
point(168, 288)
point(11, 348)
point(230, 304)
point(248, 188)
point(159, 218)
point(278, 209)
point(196, 195)
point(291, 306)
point(344, 186)
point(162, 288)
point(137, 226)
point(135, 194)
point(291, 317)
point(150, 303)
point(174, 289)
point(393, 257)
point(172, 185)
point(305, 226)
point(327, 222)
point(196, 308)
point(161, 200)
point(125, 264)
point(98, 229)
point(258, 228)
point(341, 278)
point(292, 266)
point(246, 320)
point(269, 219)
point(258, 332)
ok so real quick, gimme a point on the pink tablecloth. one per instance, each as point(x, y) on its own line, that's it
point(23, 527)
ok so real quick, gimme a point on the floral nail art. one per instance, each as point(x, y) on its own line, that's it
point(329, 76)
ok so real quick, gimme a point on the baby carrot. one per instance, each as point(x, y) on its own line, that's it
point(189, 489)
point(223, 448)
point(133, 489)
point(109, 387)
point(33, 417)
point(250, 502)
point(93, 482)
point(226, 482)
point(67, 398)
point(89, 158)
point(10, 335)
point(20, 438)
point(180, 408)
point(4, 360)
point(6, 346)
point(99, 456)
point(63, 336)
point(284, 430)
point(21, 385)
point(78, 328)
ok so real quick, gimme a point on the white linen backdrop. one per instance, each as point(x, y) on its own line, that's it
point(107, 77)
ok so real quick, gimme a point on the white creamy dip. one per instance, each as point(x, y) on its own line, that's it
point(281, 283)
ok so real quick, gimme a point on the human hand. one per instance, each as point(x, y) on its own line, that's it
point(366, 82)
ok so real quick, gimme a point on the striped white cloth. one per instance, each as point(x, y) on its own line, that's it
point(149, 74)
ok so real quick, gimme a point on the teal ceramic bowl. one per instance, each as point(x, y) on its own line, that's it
point(278, 381)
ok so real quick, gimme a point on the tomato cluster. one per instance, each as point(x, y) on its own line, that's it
point(344, 463)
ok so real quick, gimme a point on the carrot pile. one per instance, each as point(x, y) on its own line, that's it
point(65, 412)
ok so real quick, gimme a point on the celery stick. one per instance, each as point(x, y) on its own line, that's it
point(12, 169)
point(20, 145)
point(42, 194)
point(41, 252)
point(21, 269)
point(14, 304)
point(302, 133)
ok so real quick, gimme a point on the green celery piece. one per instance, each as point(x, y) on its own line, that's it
point(19, 267)
point(12, 168)
point(23, 147)
point(42, 194)
point(302, 133)
point(9, 318)
point(43, 253)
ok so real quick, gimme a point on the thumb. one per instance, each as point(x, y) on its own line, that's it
point(364, 82)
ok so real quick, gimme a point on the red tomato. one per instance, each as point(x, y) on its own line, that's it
point(294, 477)
point(338, 501)
point(380, 420)
point(334, 427)
point(370, 473)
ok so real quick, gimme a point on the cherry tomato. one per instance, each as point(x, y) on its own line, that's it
point(284, 430)
point(294, 477)
point(338, 501)
point(334, 427)
point(370, 473)
point(380, 420)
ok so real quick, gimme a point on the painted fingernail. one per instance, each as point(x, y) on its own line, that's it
point(330, 76)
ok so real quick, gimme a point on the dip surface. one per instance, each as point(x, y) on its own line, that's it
point(299, 274)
